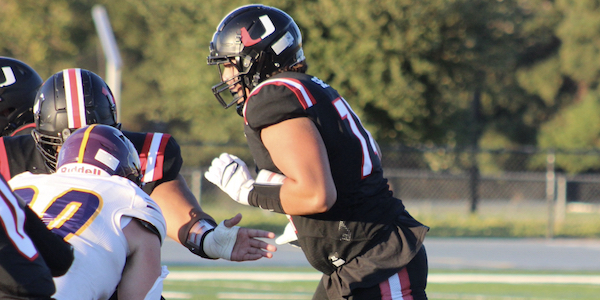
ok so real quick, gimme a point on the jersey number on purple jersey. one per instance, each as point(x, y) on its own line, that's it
point(67, 214)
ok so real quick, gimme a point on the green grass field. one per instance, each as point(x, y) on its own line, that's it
point(299, 283)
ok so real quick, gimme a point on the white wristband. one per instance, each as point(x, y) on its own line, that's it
point(197, 231)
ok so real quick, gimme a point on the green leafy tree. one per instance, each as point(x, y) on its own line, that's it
point(575, 128)
point(436, 72)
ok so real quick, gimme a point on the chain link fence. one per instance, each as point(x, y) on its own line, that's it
point(526, 185)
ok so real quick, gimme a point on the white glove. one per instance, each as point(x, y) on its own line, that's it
point(288, 236)
point(219, 242)
point(231, 175)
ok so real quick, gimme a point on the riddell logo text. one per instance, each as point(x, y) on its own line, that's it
point(81, 169)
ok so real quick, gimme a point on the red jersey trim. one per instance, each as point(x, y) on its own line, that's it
point(4, 167)
point(305, 98)
point(30, 125)
point(152, 156)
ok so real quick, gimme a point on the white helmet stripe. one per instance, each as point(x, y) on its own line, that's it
point(75, 98)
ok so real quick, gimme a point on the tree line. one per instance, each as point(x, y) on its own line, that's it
point(500, 74)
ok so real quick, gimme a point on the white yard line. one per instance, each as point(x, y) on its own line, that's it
point(433, 278)
point(514, 278)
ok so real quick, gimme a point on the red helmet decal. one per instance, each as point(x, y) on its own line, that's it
point(247, 40)
point(269, 29)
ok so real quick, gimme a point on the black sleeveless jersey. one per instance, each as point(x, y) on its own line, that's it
point(160, 157)
point(364, 202)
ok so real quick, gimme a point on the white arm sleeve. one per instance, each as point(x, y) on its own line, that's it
point(156, 291)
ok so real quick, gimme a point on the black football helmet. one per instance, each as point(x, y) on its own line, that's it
point(258, 40)
point(102, 146)
point(69, 100)
point(18, 85)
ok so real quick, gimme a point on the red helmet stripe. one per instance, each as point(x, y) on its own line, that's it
point(84, 140)
point(75, 98)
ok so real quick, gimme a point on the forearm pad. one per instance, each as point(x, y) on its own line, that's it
point(57, 253)
point(266, 197)
point(184, 232)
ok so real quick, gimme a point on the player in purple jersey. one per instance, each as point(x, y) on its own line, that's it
point(315, 161)
point(94, 201)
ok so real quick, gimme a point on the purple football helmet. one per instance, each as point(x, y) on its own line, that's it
point(103, 147)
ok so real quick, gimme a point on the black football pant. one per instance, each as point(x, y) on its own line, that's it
point(408, 284)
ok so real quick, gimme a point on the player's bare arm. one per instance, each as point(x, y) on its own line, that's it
point(179, 207)
point(178, 204)
point(298, 151)
point(143, 263)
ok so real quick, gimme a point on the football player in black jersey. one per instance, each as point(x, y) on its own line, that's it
point(73, 98)
point(30, 254)
point(26, 271)
point(18, 85)
point(315, 162)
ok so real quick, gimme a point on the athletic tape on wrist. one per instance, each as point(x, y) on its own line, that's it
point(219, 242)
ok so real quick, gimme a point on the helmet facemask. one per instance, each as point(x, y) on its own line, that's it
point(48, 145)
point(246, 79)
point(224, 91)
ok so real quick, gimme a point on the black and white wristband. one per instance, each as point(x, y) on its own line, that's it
point(266, 190)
